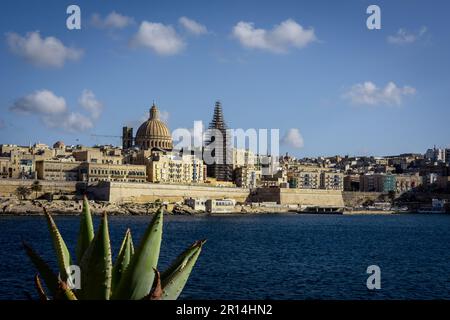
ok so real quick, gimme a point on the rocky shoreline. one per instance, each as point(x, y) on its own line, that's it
point(73, 207)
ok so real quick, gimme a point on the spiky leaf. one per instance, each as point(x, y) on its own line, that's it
point(40, 290)
point(156, 292)
point(123, 259)
point(96, 265)
point(86, 233)
point(64, 292)
point(62, 253)
point(138, 278)
point(50, 279)
point(176, 276)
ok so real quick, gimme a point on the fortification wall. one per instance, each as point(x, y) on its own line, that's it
point(149, 192)
point(8, 187)
point(315, 198)
point(303, 197)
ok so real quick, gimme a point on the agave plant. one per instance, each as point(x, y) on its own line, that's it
point(134, 274)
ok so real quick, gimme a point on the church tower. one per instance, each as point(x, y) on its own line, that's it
point(223, 169)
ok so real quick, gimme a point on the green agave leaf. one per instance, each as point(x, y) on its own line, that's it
point(50, 279)
point(123, 259)
point(86, 234)
point(64, 292)
point(138, 278)
point(176, 276)
point(96, 265)
point(62, 253)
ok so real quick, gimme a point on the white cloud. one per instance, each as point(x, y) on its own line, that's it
point(42, 52)
point(160, 38)
point(89, 102)
point(53, 111)
point(368, 93)
point(42, 102)
point(293, 138)
point(113, 20)
point(279, 39)
point(192, 26)
point(70, 121)
point(75, 122)
point(405, 37)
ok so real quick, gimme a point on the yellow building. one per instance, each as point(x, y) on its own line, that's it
point(331, 181)
point(93, 172)
point(314, 177)
point(305, 180)
point(56, 170)
point(5, 168)
point(102, 154)
point(22, 159)
point(170, 168)
point(243, 157)
point(247, 177)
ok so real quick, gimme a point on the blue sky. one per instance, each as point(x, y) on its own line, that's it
point(310, 68)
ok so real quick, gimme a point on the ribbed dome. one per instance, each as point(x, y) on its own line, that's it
point(153, 133)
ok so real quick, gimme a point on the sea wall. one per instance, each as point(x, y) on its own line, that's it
point(148, 192)
point(302, 197)
point(8, 187)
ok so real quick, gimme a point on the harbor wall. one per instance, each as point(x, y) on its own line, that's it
point(301, 197)
point(149, 192)
point(8, 187)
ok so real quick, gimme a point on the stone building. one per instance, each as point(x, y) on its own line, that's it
point(407, 182)
point(220, 205)
point(351, 182)
point(93, 172)
point(247, 177)
point(306, 180)
point(22, 159)
point(377, 183)
point(174, 168)
point(56, 170)
point(103, 155)
point(331, 180)
point(5, 168)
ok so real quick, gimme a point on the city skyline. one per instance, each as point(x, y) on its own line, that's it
point(332, 86)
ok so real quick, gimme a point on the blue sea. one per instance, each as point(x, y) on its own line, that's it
point(268, 256)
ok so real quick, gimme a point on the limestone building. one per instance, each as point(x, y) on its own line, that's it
point(93, 172)
point(173, 168)
point(56, 170)
point(103, 154)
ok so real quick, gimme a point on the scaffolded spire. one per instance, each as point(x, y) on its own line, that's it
point(218, 122)
point(223, 170)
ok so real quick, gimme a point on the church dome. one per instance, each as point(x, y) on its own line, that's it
point(58, 145)
point(153, 133)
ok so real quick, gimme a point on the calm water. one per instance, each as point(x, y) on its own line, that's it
point(270, 257)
